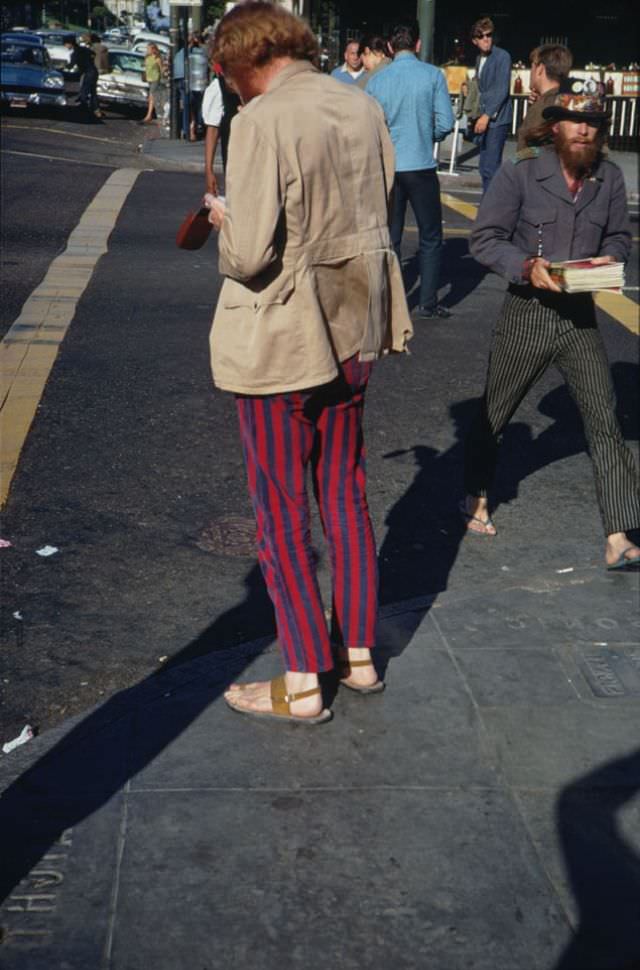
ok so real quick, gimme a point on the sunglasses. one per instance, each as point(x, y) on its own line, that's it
point(487, 33)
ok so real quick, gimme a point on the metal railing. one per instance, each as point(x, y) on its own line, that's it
point(624, 128)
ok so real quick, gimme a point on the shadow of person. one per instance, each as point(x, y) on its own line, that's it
point(459, 271)
point(602, 867)
point(93, 762)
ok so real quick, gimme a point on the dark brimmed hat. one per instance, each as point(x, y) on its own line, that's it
point(578, 100)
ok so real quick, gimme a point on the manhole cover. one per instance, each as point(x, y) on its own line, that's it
point(230, 535)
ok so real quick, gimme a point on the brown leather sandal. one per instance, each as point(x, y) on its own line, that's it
point(344, 666)
point(281, 701)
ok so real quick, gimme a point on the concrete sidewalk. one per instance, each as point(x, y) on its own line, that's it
point(171, 155)
point(481, 812)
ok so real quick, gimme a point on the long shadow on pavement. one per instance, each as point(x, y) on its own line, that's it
point(603, 870)
point(96, 758)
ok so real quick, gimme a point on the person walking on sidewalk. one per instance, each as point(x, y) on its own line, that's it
point(374, 53)
point(417, 109)
point(493, 72)
point(559, 202)
point(154, 72)
point(352, 70)
point(313, 295)
point(550, 66)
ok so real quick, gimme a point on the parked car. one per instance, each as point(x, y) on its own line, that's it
point(59, 54)
point(143, 38)
point(123, 87)
point(116, 36)
point(26, 77)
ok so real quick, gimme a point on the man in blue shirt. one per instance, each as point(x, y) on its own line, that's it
point(352, 69)
point(493, 71)
point(417, 108)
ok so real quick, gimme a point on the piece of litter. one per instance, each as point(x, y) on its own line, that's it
point(596, 644)
point(162, 659)
point(569, 569)
point(505, 569)
point(18, 615)
point(47, 551)
point(84, 683)
point(4, 543)
point(25, 735)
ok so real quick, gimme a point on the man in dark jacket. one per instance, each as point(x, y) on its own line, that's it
point(555, 203)
point(493, 72)
point(83, 58)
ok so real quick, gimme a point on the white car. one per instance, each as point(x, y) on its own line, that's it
point(123, 87)
point(59, 55)
point(144, 37)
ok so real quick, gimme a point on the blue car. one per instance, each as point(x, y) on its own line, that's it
point(26, 76)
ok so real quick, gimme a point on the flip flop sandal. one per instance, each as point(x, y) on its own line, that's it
point(623, 563)
point(474, 518)
point(346, 665)
point(280, 702)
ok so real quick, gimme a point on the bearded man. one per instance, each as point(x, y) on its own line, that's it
point(564, 201)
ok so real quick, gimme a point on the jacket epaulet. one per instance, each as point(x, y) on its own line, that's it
point(525, 153)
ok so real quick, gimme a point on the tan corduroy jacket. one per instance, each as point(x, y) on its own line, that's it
point(311, 277)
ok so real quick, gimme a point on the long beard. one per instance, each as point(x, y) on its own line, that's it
point(577, 161)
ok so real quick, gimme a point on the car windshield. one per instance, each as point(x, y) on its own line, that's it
point(56, 40)
point(22, 54)
point(121, 61)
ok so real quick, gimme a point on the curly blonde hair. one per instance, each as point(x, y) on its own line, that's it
point(256, 32)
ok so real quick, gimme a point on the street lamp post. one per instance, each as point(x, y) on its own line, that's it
point(426, 20)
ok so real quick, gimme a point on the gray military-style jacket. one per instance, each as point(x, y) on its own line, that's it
point(529, 211)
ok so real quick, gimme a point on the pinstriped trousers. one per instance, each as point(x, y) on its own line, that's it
point(532, 333)
point(282, 435)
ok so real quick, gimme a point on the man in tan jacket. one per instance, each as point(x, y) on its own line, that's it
point(313, 295)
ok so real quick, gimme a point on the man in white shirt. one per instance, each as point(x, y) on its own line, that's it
point(212, 111)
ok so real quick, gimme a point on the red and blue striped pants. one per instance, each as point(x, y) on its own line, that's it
point(282, 435)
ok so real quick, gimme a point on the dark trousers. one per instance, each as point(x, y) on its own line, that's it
point(530, 335)
point(283, 435)
point(491, 149)
point(88, 92)
point(422, 190)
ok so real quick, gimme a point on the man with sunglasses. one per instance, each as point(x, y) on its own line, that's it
point(493, 71)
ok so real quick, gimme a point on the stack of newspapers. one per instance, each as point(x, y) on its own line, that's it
point(584, 276)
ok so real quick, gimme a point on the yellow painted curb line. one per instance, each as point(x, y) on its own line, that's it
point(619, 306)
point(30, 346)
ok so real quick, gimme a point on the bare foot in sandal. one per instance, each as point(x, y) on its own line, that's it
point(475, 512)
point(294, 697)
point(356, 670)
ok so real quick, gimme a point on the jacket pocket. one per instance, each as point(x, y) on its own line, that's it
point(255, 297)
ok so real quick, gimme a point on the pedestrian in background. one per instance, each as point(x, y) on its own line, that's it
point(83, 59)
point(417, 109)
point(154, 73)
point(374, 54)
point(219, 107)
point(565, 201)
point(493, 71)
point(352, 68)
point(313, 295)
point(550, 66)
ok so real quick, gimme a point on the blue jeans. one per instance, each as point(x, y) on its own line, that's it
point(422, 189)
point(491, 149)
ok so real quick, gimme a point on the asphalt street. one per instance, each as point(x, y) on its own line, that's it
point(480, 813)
